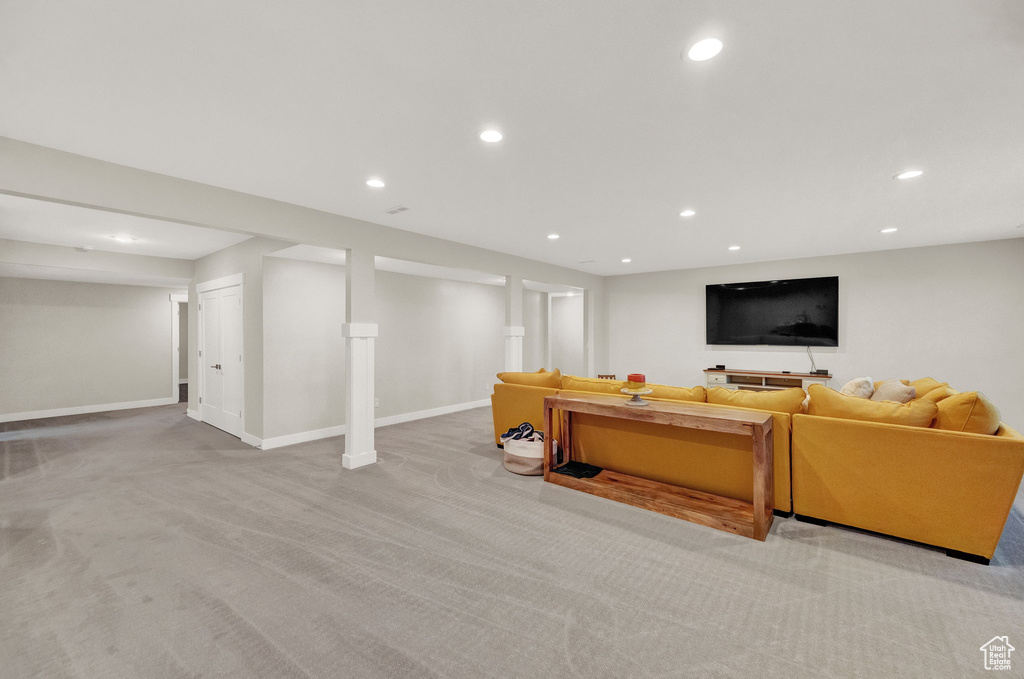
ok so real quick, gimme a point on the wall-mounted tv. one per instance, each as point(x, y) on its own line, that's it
point(800, 312)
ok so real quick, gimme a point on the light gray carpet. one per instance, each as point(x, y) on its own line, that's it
point(144, 544)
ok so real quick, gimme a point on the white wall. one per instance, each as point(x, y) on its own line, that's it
point(567, 335)
point(303, 348)
point(441, 342)
point(74, 345)
point(951, 312)
point(182, 341)
point(245, 258)
point(535, 323)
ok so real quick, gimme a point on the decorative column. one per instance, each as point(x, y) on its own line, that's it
point(589, 334)
point(359, 331)
point(514, 330)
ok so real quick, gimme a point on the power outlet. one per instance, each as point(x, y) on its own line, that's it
point(487, 386)
point(376, 403)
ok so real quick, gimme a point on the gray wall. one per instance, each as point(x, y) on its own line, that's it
point(951, 312)
point(567, 335)
point(66, 345)
point(303, 348)
point(535, 322)
point(441, 342)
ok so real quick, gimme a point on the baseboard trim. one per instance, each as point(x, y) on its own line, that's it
point(85, 410)
point(251, 440)
point(304, 436)
point(194, 414)
point(341, 429)
point(358, 460)
point(433, 412)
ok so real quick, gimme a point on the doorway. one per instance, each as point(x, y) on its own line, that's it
point(221, 365)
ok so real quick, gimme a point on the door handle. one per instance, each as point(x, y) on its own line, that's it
point(216, 366)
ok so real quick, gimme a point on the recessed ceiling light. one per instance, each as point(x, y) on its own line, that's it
point(687, 213)
point(705, 49)
point(891, 229)
point(490, 136)
point(553, 236)
point(123, 239)
point(909, 174)
point(375, 183)
point(734, 247)
point(627, 260)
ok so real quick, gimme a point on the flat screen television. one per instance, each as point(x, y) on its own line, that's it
point(800, 312)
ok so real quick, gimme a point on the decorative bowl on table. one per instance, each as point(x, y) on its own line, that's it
point(636, 385)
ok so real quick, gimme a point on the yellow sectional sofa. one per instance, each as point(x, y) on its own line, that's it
point(712, 462)
point(939, 483)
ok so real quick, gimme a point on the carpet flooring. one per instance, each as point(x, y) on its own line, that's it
point(144, 544)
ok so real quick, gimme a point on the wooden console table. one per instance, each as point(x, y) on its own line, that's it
point(735, 516)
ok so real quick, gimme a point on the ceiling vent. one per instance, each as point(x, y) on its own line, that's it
point(398, 208)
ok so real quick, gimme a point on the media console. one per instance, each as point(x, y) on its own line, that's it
point(760, 380)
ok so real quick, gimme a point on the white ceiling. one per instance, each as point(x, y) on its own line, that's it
point(784, 144)
point(315, 253)
point(39, 221)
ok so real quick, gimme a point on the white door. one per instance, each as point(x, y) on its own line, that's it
point(220, 338)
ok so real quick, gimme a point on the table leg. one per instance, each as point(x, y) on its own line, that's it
point(764, 480)
point(549, 461)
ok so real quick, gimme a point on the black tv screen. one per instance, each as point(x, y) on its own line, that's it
point(800, 312)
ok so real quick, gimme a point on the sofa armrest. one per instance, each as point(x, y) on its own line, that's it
point(513, 404)
point(944, 488)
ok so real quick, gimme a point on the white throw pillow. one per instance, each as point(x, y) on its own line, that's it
point(861, 387)
point(894, 390)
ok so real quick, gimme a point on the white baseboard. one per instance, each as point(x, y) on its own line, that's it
point(183, 381)
point(84, 410)
point(302, 437)
point(194, 414)
point(339, 430)
point(433, 412)
point(358, 460)
point(251, 440)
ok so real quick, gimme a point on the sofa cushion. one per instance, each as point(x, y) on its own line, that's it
point(925, 385)
point(541, 378)
point(893, 390)
point(827, 402)
point(969, 411)
point(777, 401)
point(936, 395)
point(697, 393)
point(592, 384)
point(861, 387)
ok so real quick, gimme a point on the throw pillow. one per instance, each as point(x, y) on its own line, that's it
point(893, 390)
point(593, 384)
point(778, 401)
point(936, 395)
point(861, 387)
point(903, 382)
point(551, 380)
point(827, 402)
point(677, 393)
point(969, 411)
point(925, 385)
